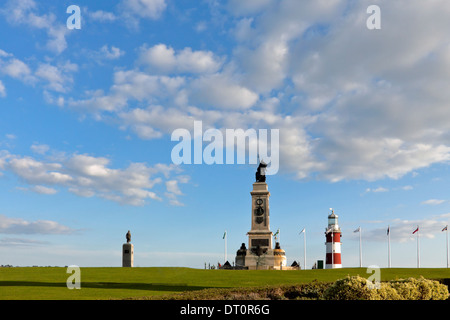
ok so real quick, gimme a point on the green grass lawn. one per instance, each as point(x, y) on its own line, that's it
point(39, 283)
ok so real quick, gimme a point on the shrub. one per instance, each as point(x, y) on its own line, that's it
point(356, 288)
point(420, 289)
point(349, 288)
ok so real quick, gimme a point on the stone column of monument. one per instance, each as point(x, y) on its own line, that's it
point(127, 252)
point(260, 250)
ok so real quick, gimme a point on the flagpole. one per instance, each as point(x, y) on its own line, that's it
point(360, 249)
point(389, 247)
point(418, 248)
point(225, 237)
point(304, 248)
point(446, 232)
point(332, 247)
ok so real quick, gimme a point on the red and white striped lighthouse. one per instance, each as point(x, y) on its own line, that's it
point(333, 236)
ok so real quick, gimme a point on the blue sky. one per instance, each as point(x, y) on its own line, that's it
point(86, 117)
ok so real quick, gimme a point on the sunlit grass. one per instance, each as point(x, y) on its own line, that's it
point(116, 283)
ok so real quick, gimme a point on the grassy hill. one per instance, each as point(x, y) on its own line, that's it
point(40, 283)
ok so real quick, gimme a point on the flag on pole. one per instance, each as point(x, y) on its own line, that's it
point(276, 233)
point(416, 230)
point(224, 234)
point(445, 228)
point(387, 231)
point(358, 230)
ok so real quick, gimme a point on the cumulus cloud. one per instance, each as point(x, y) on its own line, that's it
point(220, 91)
point(129, 85)
point(89, 176)
point(379, 189)
point(40, 190)
point(25, 12)
point(402, 230)
point(164, 59)
point(8, 242)
point(20, 226)
point(131, 11)
point(2, 89)
point(433, 202)
point(102, 16)
point(40, 148)
point(350, 103)
point(146, 8)
point(16, 68)
point(173, 190)
point(247, 7)
point(58, 78)
point(111, 53)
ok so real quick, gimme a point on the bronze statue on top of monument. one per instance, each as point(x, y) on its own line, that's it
point(261, 172)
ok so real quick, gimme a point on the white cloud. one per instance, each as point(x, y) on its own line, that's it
point(102, 16)
point(132, 11)
point(20, 226)
point(247, 7)
point(350, 103)
point(2, 89)
point(146, 8)
point(8, 242)
point(89, 176)
point(40, 148)
point(35, 172)
point(130, 85)
point(379, 189)
point(402, 230)
point(219, 91)
point(24, 12)
point(58, 78)
point(43, 190)
point(39, 189)
point(16, 69)
point(172, 186)
point(266, 66)
point(55, 77)
point(164, 59)
point(111, 53)
point(433, 202)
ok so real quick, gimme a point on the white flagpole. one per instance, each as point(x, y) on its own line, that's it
point(446, 232)
point(225, 237)
point(360, 249)
point(389, 247)
point(418, 248)
point(304, 248)
point(332, 247)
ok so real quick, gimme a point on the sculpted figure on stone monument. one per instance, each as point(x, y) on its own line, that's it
point(128, 236)
point(261, 172)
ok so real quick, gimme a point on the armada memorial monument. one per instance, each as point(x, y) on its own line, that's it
point(260, 253)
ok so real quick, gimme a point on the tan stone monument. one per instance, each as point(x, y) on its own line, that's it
point(260, 253)
point(127, 252)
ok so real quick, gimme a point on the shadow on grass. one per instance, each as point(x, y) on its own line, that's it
point(177, 287)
